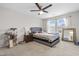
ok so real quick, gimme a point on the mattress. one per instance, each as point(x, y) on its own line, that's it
point(46, 36)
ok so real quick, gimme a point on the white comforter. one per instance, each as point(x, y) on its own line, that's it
point(46, 36)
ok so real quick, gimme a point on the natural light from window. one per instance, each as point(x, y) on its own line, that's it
point(55, 25)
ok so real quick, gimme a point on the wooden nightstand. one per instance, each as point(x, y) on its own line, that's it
point(28, 38)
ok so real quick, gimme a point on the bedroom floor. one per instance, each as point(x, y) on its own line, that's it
point(34, 49)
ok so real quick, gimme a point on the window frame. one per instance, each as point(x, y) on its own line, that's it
point(56, 24)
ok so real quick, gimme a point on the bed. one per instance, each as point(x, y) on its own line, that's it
point(43, 37)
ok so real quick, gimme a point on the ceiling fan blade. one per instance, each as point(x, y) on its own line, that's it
point(45, 11)
point(34, 10)
point(38, 6)
point(47, 6)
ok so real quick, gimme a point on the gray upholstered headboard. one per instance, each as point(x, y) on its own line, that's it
point(36, 29)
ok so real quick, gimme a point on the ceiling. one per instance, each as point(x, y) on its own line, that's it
point(55, 10)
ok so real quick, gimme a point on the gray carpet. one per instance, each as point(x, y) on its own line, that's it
point(37, 49)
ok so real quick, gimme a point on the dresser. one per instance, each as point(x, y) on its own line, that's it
point(28, 38)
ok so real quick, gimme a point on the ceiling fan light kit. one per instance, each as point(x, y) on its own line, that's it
point(41, 12)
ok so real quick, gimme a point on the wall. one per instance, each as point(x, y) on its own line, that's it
point(73, 21)
point(44, 25)
point(10, 18)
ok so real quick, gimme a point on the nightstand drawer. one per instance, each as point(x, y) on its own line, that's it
point(28, 38)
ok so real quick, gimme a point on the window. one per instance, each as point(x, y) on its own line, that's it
point(51, 22)
point(54, 25)
point(61, 22)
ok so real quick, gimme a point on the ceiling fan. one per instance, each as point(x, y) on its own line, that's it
point(40, 9)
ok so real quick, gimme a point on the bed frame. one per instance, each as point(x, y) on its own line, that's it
point(43, 41)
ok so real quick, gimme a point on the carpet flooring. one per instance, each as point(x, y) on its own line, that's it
point(37, 49)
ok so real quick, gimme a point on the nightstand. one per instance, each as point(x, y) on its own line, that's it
point(28, 38)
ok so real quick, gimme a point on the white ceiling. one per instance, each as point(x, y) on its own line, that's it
point(56, 9)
